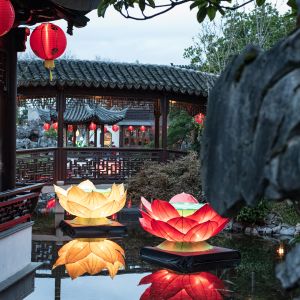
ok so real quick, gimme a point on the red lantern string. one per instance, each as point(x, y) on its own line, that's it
point(105, 129)
point(46, 126)
point(70, 128)
point(130, 128)
point(93, 126)
point(48, 42)
point(7, 16)
point(143, 128)
point(55, 126)
point(199, 118)
point(115, 128)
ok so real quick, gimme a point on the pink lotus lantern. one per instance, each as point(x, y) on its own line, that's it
point(165, 284)
point(184, 222)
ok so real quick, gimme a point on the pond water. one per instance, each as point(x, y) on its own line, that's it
point(254, 278)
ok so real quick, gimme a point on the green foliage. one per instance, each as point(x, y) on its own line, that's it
point(147, 9)
point(163, 181)
point(254, 215)
point(183, 132)
point(51, 133)
point(287, 212)
point(215, 46)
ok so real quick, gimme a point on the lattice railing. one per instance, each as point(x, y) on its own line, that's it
point(17, 205)
point(101, 165)
point(35, 165)
point(107, 165)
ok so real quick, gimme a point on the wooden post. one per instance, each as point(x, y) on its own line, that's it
point(102, 135)
point(156, 124)
point(87, 135)
point(74, 135)
point(121, 137)
point(8, 107)
point(95, 137)
point(60, 108)
point(164, 104)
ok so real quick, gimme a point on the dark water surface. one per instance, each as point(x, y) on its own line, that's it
point(253, 279)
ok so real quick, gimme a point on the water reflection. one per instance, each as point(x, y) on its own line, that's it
point(165, 284)
point(91, 256)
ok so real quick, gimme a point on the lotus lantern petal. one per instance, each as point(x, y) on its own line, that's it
point(91, 256)
point(86, 201)
point(182, 220)
point(165, 284)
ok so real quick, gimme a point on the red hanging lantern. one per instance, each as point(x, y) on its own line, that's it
point(143, 128)
point(48, 42)
point(199, 118)
point(105, 129)
point(7, 16)
point(130, 128)
point(115, 128)
point(46, 126)
point(55, 126)
point(93, 126)
point(70, 128)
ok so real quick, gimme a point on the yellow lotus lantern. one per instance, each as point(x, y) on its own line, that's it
point(90, 205)
point(91, 256)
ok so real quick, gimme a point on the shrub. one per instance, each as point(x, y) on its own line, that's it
point(164, 180)
point(287, 212)
point(254, 215)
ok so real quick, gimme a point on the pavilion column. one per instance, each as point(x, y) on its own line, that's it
point(60, 157)
point(156, 124)
point(87, 135)
point(8, 107)
point(121, 137)
point(102, 135)
point(74, 135)
point(96, 136)
point(164, 105)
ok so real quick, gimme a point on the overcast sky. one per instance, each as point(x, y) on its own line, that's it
point(161, 40)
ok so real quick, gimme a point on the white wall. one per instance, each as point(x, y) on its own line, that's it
point(15, 252)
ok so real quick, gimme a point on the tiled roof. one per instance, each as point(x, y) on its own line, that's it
point(85, 114)
point(81, 73)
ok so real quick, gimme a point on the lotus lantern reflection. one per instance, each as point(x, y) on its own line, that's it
point(183, 222)
point(89, 204)
point(91, 256)
point(169, 285)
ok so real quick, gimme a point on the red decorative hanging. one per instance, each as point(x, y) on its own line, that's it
point(130, 128)
point(70, 128)
point(93, 126)
point(46, 126)
point(115, 128)
point(199, 118)
point(48, 42)
point(55, 126)
point(143, 128)
point(7, 16)
point(105, 129)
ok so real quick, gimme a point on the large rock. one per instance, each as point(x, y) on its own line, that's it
point(289, 271)
point(251, 142)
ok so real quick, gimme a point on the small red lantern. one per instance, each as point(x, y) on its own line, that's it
point(7, 16)
point(130, 128)
point(115, 128)
point(48, 42)
point(55, 126)
point(46, 126)
point(143, 128)
point(93, 126)
point(105, 129)
point(70, 128)
point(199, 118)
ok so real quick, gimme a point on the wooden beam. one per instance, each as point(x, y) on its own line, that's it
point(164, 106)
point(8, 107)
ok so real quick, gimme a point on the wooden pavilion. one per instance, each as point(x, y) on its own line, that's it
point(104, 86)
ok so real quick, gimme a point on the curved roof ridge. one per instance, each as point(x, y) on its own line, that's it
point(116, 75)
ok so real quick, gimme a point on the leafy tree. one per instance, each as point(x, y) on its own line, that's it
point(147, 9)
point(213, 48)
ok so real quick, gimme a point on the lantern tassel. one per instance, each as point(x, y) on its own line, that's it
point(50, 65)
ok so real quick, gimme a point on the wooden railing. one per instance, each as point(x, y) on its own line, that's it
point(17, 205)
point(101, 165)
